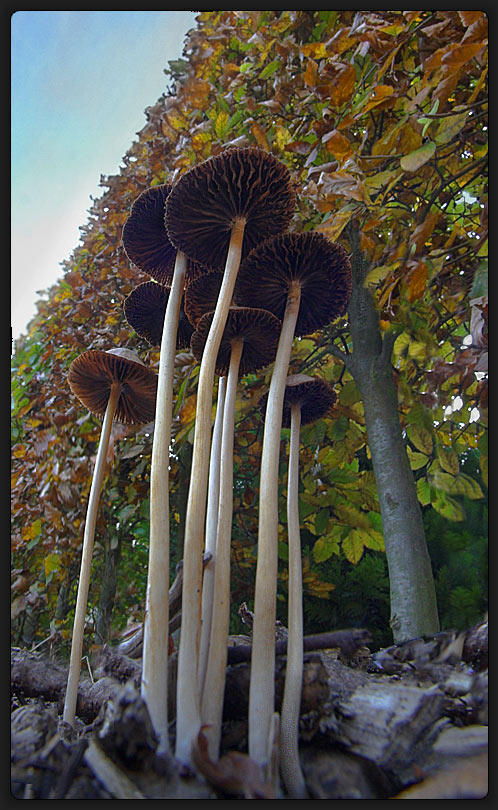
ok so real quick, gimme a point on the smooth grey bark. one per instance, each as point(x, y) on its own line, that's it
point(412, 591)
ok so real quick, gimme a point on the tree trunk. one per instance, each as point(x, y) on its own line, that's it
point(413, 597)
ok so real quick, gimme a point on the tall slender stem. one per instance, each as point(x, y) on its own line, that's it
point(289, 723)
point(86, 558)
point(214, 685)
point(155, 650)
point(261, 690)
point(211, 529)
point(188, 717)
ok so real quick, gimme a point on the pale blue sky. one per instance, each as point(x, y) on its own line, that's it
point(81, 81)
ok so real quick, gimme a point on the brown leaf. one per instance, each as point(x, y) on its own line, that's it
point(458, 55)
point(417, 281)
point(342, 85)
point(233, 773)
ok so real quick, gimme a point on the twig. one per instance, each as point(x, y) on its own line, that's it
point(112, 778)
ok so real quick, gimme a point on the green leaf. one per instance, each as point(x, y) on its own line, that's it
point(463, 484)
point(324, 548)
point(283, 551)
point(480, 282)
point(448, 459)
point(414, 160)
point(270, 69)
point(421, 438)
point(322, 519)
point(448, 508)
point(423, 491)
point(450, 127)
point(349, 393)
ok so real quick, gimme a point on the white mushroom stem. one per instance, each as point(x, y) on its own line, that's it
point(261, 690)
point(155, 649)
point(289, 721)
point(211, 528)
point(188, 717)
point(214, 684)
point(86, 558)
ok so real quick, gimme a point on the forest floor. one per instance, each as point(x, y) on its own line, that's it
point(408, 721)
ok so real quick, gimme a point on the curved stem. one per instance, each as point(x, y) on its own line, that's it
point(289, 722)
point(211, 529)
point(188, 718)
point(214, 686)
point(261, 690)
point(86, 558)
point(155, 649)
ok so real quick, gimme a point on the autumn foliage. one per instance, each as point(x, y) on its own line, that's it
point(381, 118)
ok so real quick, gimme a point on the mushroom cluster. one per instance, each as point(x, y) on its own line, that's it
point(230, 281)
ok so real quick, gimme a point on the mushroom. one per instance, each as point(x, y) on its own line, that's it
point(249, 343)
point(305, 280)
point(201, 295)
point(211, 531)
point(306, 400)
point(118, 386)
point(147, 245)
point(218, 210)
point(145, 309)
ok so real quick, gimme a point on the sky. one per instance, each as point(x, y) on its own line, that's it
point(81, 81)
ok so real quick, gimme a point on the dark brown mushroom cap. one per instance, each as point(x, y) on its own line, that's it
point(315, 397)
point(204, 203)
point(92, 374)
point(145, 308)
point(145, 238)
point(258, 329)
point(321, 267)
point(201, 296)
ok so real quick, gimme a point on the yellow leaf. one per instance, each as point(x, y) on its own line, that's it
point(52, 563)
point(378, 96)
point(353, 546)
point(417, 460)
point(19, 451)
point(314, 49)
point(31, 531)
point(282, 137)
point(334, 226)
point(187, 413)
point(221, 122)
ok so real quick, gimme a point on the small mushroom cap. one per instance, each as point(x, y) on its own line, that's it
point(146, 240)
point(322, 268)
point(258, 329)
point(92, 374)
point(244, 183)
point(315, 397)
point(201, 296)
point(145, 308)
